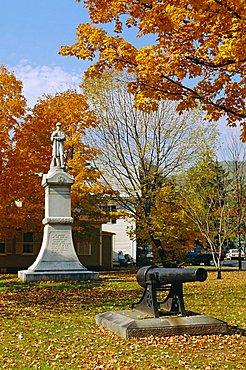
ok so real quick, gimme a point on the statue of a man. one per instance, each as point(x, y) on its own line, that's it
point(57, 138)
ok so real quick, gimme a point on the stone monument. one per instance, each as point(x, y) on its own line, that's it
point(57, 259)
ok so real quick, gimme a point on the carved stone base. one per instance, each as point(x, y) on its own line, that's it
point(57, 260)
point(57, 252)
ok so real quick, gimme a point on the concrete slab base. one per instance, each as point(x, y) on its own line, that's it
point(135, 324)
point(29, 276)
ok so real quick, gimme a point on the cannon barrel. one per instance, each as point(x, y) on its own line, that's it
point(170, 275)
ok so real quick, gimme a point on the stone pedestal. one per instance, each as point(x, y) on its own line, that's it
point(135, 324)
point(57, 259)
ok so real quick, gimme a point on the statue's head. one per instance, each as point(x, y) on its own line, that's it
point(58, 125)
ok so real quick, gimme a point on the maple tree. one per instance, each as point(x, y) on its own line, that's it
point(26, 154)
point(12, 110)
point(33, 143)
point(197, 52)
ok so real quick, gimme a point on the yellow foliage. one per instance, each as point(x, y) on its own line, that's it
point(197, 56)
point(172, 226)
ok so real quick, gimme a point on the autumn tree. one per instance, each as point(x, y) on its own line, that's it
point(139, 150)
point(196, 54)
point(12, 110)
point(33, 144)
point(171, 225)
point(26, 154)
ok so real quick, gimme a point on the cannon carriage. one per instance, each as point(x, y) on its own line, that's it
point(154, 279)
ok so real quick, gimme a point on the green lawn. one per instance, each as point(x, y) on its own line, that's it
point(52, 326)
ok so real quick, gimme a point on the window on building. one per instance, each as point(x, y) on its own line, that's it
point(27, 243)
point(84, 248)
point(2, 246)
point(108, 208)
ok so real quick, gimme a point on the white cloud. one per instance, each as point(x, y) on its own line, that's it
point(40, 80)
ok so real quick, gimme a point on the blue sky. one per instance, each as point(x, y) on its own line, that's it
point(35, 30)
point(31, 34)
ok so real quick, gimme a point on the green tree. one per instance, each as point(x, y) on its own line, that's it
point(208, 201)
point(235, 164)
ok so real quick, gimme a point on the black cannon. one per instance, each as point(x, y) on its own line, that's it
point(154, 279)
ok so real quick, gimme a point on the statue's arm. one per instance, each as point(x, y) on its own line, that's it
point(53, 136)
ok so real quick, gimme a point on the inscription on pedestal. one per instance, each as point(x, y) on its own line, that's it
point(59, 241)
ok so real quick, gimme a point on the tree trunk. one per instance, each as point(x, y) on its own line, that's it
point(219, 269)
point(218, 266)
point(219, 274)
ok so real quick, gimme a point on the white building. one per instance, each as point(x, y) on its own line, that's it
point(121, 239)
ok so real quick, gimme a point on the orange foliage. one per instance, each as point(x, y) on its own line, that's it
point(197, 55)
point(25, 151)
